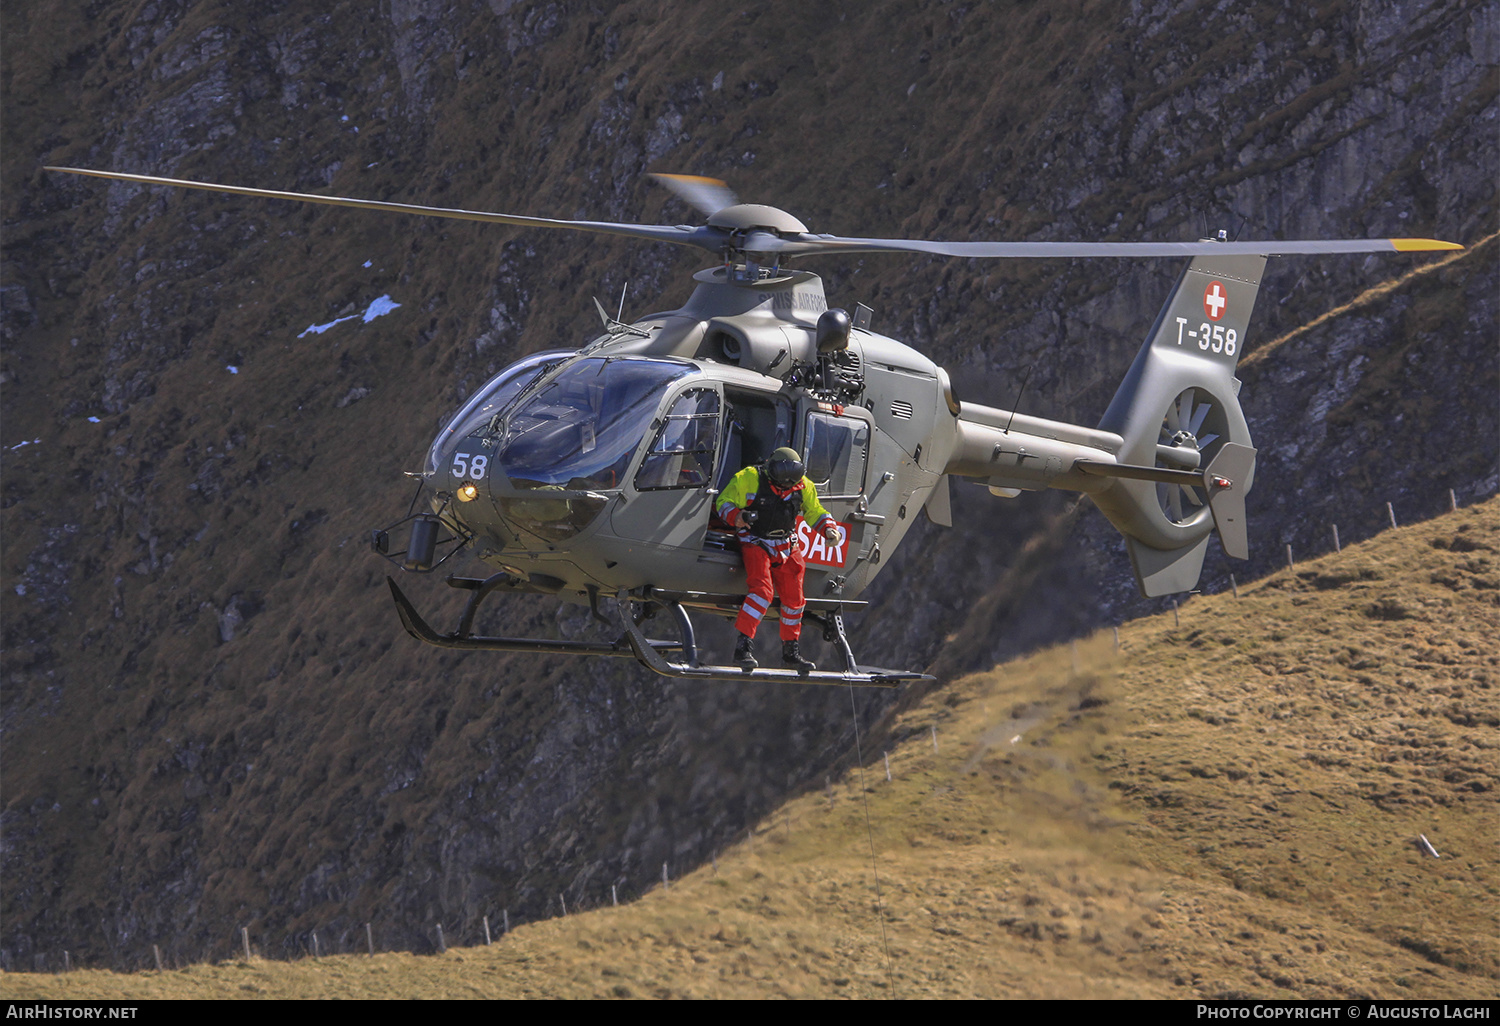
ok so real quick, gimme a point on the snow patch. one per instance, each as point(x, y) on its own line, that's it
point(318, 329)
point(34, 441)
point(93, 420)
point(380, 307)
point(231, 368)
point(365, 264)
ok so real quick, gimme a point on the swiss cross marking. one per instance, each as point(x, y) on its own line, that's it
point(1215, 299)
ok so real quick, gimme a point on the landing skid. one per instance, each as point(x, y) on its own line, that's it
point(464, 639)
point(653, 660)
point(650, 653)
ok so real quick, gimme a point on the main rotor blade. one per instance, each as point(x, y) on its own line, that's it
point(706, 192)
point(704, 238)
point(810, 244)
point(708, 195)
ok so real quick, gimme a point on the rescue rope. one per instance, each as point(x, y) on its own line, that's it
point(864, 793)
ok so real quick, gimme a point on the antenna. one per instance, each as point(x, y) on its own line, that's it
point(1020, 392)
point(621, 315)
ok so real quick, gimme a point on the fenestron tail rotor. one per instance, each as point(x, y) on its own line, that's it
point(1192, 432)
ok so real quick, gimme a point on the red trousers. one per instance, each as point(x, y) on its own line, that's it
point(760, 573)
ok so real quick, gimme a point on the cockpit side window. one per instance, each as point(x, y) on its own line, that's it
point(835, 451)
point(682, 454)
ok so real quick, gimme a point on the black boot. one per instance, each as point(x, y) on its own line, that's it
point(791, 656)
point(742, 654)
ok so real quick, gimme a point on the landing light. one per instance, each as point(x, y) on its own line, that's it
point(468, 491)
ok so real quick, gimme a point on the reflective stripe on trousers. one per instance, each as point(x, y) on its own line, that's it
point(763, 578)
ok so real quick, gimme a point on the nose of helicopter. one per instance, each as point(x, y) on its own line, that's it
point(541, 471)
point(512, 512)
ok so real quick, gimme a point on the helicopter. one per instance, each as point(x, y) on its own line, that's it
point(592, 472)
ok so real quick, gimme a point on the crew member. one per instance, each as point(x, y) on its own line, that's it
point(762, 504)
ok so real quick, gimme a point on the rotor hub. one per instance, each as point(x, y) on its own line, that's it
point(749, 217)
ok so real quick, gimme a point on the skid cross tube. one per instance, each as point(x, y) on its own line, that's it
point(833, 631)
point(685, 625)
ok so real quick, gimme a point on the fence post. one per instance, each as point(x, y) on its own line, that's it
point(665, 885)
point(1452, 501)
point(245, 937)
point(614, 896)
point(888, 767)
point(486, 930)
point(1336, 546)
point(1232, 583)
point(1117, 638)
point(563, 902)
point(505, 916)
point(1392, 511)
point(1176, 620)
point(157, 952)
point(442, 944)
point(934, 738)
point(315, 943)
point(370, 940)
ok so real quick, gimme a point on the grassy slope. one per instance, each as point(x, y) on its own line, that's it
point(1226, 806)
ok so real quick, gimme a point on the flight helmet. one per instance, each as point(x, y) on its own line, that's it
point(785, 468)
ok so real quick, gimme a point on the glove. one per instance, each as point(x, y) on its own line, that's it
point(748, 517)
point(832, 535)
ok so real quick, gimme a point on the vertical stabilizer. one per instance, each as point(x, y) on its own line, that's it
point(1164, 573)
point(1177, 409)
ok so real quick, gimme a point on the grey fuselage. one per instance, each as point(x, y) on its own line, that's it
point(747, 335)
point(751, 342)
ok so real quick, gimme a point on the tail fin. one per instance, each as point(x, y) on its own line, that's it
point(1178, 409)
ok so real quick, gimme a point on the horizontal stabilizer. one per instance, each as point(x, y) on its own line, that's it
point(1228, 478)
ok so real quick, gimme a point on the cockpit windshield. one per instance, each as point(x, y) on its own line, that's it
point(580, 429)
point(490, 400)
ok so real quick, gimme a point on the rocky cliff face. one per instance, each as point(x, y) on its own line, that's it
point(211, 718)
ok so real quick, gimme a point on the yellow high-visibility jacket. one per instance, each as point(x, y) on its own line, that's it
point(743, 489)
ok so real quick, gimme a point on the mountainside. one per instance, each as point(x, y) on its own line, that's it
point(210, 715)
point(1232, 805)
